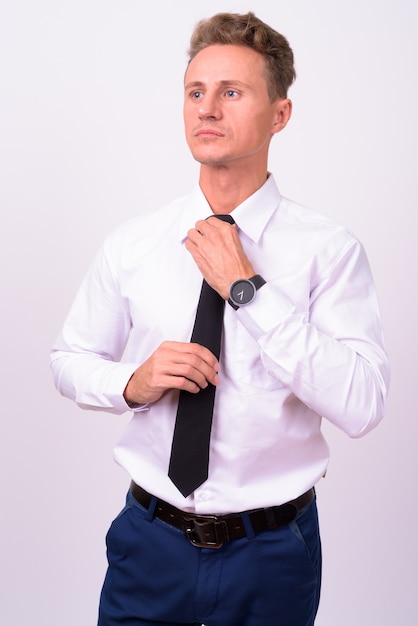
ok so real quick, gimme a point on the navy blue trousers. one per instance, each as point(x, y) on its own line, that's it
point(156, 576)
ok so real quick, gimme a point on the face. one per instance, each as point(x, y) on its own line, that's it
point(227, 111)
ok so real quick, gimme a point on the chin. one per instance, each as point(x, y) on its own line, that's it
point(213, 160)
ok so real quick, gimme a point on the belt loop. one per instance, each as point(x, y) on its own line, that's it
point(151, 509)
point(247, 525)
point(270, 519)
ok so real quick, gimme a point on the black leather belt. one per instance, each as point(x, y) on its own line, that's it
point(212, 531)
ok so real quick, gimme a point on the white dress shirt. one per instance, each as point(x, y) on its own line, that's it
point(309, 346)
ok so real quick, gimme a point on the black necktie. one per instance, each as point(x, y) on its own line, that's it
point(189, 459)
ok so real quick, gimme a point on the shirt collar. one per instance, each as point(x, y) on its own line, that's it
point(251, 216)
point(196, 208)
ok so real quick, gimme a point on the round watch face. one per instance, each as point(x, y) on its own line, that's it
point(242, 292)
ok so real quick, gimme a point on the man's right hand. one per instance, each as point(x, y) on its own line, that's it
point(173, 365)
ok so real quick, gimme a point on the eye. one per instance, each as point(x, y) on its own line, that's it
point(196, 95)
point(231, 93)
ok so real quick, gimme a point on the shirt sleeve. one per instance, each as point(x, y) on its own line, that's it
point(86, 357)
point(330, 354)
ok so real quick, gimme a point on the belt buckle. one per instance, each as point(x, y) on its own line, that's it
point(205, 531)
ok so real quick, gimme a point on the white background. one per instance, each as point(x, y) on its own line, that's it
point(91, 134)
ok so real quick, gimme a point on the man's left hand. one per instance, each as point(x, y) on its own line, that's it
point(217, 250)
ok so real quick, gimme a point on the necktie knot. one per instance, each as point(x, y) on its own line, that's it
point(225, 217)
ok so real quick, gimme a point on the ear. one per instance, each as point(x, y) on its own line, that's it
point(282, 114)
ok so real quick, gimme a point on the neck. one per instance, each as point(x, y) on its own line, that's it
point(225, 188)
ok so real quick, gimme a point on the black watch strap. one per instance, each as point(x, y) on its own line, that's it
point(258, 281)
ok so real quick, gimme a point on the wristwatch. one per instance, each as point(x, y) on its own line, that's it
point(243, 291)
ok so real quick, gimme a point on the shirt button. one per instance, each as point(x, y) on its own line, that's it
point(203, 496)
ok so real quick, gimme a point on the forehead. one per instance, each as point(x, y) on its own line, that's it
point(226, 62)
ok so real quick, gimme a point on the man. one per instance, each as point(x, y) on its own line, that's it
point(301, 340)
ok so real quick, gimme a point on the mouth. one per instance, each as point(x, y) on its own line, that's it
point(207, 132)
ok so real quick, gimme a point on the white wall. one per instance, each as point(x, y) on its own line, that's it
point(91, 134)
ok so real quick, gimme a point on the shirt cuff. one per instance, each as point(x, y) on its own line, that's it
point(269, 309)
point(117, 384)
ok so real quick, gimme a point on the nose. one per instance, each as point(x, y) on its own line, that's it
point(209, 107)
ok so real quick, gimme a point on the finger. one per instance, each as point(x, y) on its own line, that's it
point(184, 348)
point(190, 373)
point(208, 227)
point(192, 361)
point(197, 371)
point(194, 236)
point(187, 378)
point(218, 225)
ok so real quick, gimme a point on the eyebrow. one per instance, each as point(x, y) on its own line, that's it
point(222, 83)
